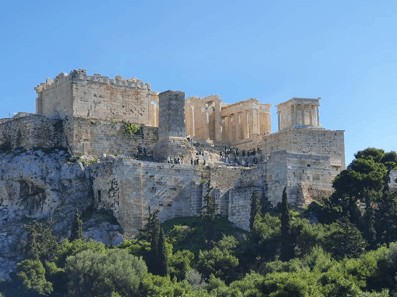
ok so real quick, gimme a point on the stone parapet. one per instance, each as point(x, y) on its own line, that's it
point(80, 75)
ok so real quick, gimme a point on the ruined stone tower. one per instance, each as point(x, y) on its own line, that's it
point(172, 114)
point(172, 141)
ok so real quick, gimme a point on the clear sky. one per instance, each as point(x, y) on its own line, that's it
point(342, 51)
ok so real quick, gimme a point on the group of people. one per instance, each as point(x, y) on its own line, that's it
point(174, 160)
point(236, 157)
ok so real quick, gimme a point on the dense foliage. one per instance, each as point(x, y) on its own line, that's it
point(347, 248)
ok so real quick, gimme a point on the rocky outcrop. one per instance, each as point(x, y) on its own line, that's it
point(38, 185)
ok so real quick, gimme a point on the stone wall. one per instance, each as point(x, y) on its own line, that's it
point(129, 188)
point(55, 97)
point(172, 114)
point(98, 97)
point(307, 177)
point(97, 137)
point(308, 141)
point(32, 131)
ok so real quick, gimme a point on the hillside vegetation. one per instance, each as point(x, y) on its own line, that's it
point(344, 246)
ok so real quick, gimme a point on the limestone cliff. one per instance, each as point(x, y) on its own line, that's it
point(40, 185)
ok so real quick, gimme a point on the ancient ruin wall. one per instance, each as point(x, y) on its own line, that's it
point(307, 177)
point(172, 114)
point(320, 142)
point(55, 97)
point(98, 97)
point(130, 188)
point(33, 131)
point(98, 137)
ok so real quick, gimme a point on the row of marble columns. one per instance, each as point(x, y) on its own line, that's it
point(240, 125)
point(301, 115)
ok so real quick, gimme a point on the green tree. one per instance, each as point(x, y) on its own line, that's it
point(386, 218)
point(255, 207)
point(220, 260)
point(41, 243)
point(364, 180)
point(287, 248)
point(162, 256)
point(344, 240)
point(77, 228)
point(32, 275)
point(92, 274)
point(208, 216)
point(180, 264)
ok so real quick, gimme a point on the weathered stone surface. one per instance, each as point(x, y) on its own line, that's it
point(108, 124)
point(97, 97)
point(36, 185)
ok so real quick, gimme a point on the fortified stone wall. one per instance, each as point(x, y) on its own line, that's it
point(309, 142)
point(172, 129)
point(98, 97)
point(234, 187)
point(307, 177)
point(32, 131)
point(55, 97)
point(97, 137)
point(130, 188)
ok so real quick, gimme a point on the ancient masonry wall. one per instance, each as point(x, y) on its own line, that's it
point(172, 129)
point(98, 137)
point(33, 131)
point(172, 114)
point(307, 177)
point(55, 97)
point(98, 97)
point(314, 141)
point(130, 188)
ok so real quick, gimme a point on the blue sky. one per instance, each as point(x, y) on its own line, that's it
point(342, 51)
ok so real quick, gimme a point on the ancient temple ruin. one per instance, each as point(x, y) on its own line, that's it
point(170, 151)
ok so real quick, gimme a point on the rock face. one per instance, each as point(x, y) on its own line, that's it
point(37, 185)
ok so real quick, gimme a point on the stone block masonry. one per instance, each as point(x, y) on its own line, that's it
point(130, 188)
point(172, 114)
point(97, 137)
point(97, 97)
point(32, 131)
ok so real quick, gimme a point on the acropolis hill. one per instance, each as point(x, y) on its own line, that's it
point(114, 144)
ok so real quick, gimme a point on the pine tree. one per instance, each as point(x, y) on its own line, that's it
point(255, 207)
point(154, 232)
point(370, 227)
point(208, 216)
point(162, 257)
point(77, 228)
point(287, 250)
point(266, 205)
